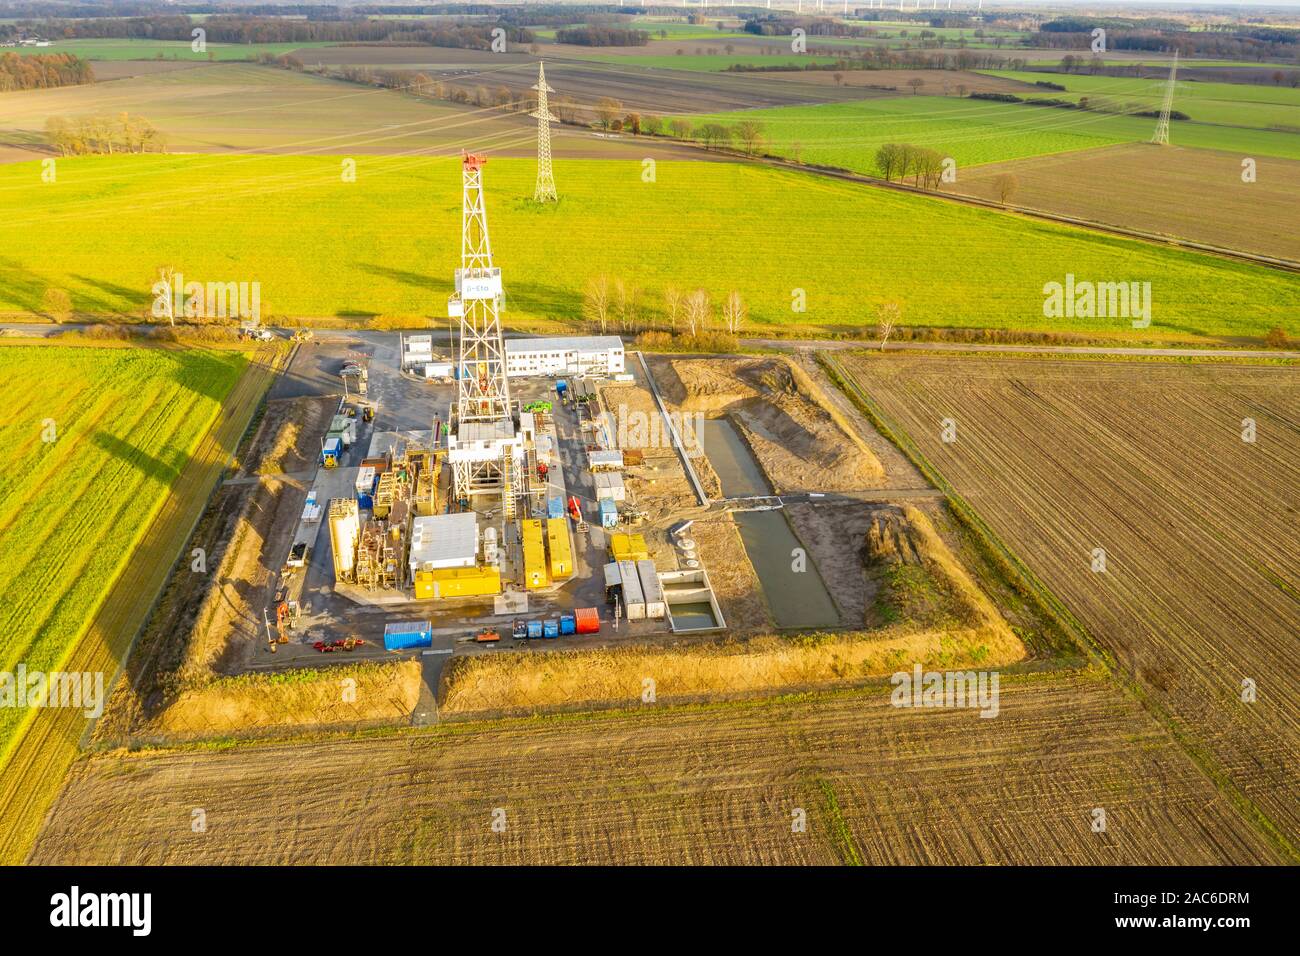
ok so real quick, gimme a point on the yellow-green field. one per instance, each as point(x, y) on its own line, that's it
point(93, 439)
point(387, 243)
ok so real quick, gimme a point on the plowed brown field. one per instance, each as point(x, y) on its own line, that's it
point(1201, 530)
point(1194, 194)
point(688, 785)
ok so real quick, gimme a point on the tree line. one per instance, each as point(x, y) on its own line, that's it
point(900, 160)
point(612, 301)
point(43, 71)
point(227, 28)
point(102, 135)
point(602, 36)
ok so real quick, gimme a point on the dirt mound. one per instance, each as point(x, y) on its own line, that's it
point(797, 438)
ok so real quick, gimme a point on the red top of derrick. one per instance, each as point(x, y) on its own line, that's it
point(473, 160)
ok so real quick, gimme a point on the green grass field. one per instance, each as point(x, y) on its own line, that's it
point(387, 244)
point(164, 49)
point(1232, 104)
point(123, 422)
point(974, 132)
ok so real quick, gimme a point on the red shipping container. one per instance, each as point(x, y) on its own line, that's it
point(587, 620)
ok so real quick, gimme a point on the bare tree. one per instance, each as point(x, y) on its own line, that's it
point(595, 302)
point(696, 311)
point(608, 110)
point(750, 134)
point(1006, 186)
point(890, 313)
point(673, 305)
point(166, 298)
point(915, 83)
point(734, 312)
point(57, 304)
point(626, 305)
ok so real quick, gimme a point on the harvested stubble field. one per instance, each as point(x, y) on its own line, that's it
point(721, 226)
point(715, 784)
point(1195, 194)
point(1201, 587)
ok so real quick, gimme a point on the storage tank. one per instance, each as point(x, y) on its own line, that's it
point(345, 532)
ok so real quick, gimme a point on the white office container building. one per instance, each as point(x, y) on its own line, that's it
point(565, 355)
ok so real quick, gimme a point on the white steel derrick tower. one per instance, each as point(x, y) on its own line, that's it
point(545, 191)
point(1162, 128)
point(482, 442)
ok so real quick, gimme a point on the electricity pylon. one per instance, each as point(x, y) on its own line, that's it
point(1162, 127)
point(545, 191)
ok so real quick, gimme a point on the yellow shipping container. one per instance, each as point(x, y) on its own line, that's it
point(535, 575)
point(628, 547)
point(557, 539)
point(457, 582)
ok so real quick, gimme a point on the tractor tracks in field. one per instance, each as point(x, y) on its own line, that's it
point(50, 741)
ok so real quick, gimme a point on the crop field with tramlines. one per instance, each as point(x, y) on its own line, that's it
point(1161, 504)
point(93, 440)
point(1232, 104)
point(770, 234)
point(974, 132)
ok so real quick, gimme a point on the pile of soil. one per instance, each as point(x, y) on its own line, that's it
point(783, 416)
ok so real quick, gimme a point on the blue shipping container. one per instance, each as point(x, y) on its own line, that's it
point(561, 386)
point(555, 507)
point(403, 635)
point(568, 624)
point(366, 502)
point(552, 628)
point(608, 513)
point(534, 628)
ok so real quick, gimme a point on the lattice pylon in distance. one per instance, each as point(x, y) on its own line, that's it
point(545, 191)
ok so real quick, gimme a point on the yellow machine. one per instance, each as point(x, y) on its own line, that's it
point(628, 547)
point(457, 582)
point(557, 541)
point(535, 569)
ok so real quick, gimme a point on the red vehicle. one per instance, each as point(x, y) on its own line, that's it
point(574, 510)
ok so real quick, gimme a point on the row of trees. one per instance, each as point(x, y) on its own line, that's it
point(610, 301)
point(91, 135)
point(236, 28)
point(602, 36)
point(880, 58)
point(41, 71)
point(900, 160)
